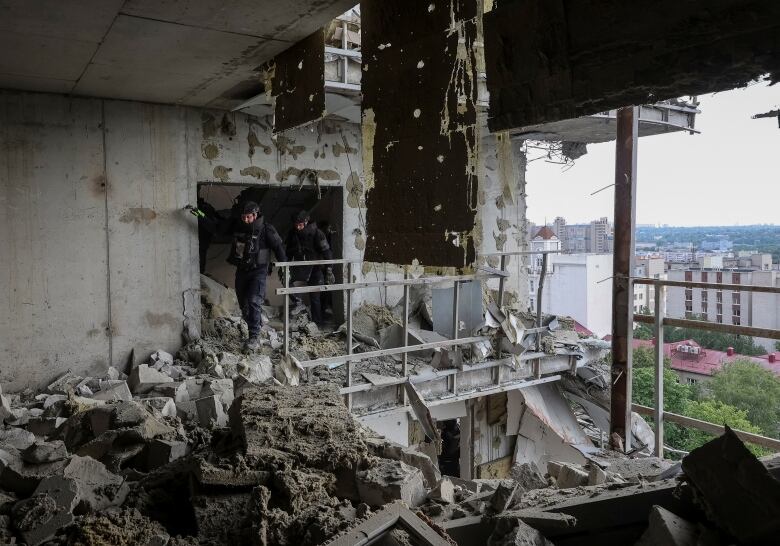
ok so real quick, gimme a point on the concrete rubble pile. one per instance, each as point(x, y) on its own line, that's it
point(215, 446)
point(274, 465)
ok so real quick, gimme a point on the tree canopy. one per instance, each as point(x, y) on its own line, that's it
point(749, 387)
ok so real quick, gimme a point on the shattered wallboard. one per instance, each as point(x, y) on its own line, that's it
point(549, 60)
point(297, 83)
point(419, 130)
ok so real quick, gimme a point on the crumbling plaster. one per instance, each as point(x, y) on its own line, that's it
point(98, 255)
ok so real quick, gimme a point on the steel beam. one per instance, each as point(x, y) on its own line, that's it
point(622, 271)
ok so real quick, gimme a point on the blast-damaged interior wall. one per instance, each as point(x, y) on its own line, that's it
point(298, 83)
point(98, 256)
point(419, 130)
point(549, 60)
point(502, 213)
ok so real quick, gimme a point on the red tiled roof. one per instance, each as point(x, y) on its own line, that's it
point(699, 360)
point(545, 233)
point(580, 329)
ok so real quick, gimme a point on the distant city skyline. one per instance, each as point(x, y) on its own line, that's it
point(725, 176)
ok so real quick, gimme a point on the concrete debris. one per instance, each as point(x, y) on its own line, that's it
point(113, 390)
point(510, 532)
point(210, 412)
point(737, 492)
point(528, 476)
point(143, 379)
point(444, 492)
point(571, 475)
point(45, 452)
point(388, 481)
point(667, 528)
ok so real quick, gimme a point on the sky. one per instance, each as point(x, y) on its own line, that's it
point(727, 175)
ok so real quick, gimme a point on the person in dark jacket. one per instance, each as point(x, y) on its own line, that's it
point(306, 242)
point(253, 241)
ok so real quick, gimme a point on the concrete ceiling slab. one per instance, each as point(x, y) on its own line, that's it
point(193, 52)
point(290, 20)
point(166, 62)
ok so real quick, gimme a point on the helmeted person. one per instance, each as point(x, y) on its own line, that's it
point(306, 242)
point(253, 241)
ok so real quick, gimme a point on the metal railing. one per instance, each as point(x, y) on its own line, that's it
point(659, 320)
point(348, 289)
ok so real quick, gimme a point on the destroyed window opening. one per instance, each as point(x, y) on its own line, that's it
point(659, 320)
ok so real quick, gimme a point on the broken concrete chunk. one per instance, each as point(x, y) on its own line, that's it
point(186, 410)
point(596, 475)
point(528, 476)
point(176, 390)
point(514, 532)
point(113, 390)
point(159, 358)
point(554, 468)
point(20, 477)
point(17, 438)
point(210, 412)
point(256, 369)
point(161, 405)
point(143, 379)
point(45, 452)
point(194, 387)
point(162, 452)
point(64, 384)
point(571, 475)
point(97, 487)
point(221, 388)
point(389, 480)
point(49, 509)
point(443, 492)
point(668, 529)
point(504, 495)
point(738, 492)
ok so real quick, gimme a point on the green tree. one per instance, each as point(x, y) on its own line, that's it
point(777, 345)
point(644, 357)
point(752, 389)
point(718, 413)
point(676, 397)
point(642, 330)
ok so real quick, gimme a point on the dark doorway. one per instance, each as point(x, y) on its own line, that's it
point(278, 205)
point(449, 459)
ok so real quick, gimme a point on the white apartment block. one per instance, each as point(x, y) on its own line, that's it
point(736, 307)
point(577, 285)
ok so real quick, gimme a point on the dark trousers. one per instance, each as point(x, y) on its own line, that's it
point(309, 276)
point(250, 291)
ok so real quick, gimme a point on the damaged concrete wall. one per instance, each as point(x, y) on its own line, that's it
point(549, 60)
point(52, 208)
point(98, 256)
point(419, 130)
point(501, 212)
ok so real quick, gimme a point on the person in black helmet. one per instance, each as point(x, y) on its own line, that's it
point(253, 240)
point(306, 242)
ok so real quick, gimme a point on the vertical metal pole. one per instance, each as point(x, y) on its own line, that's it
point(501, 282)
point(622, 270)
point(455, 330)
point(405, 356)
point(287, 313)
point(659, 369)
point(350, 364)
point(539, 293)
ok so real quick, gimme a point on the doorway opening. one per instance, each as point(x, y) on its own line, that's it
point(278, 205)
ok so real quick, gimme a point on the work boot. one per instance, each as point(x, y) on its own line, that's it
point(251, 343)
point(299, 308)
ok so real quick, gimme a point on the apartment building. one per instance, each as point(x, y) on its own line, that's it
point(595, 237)
point(736, 307)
